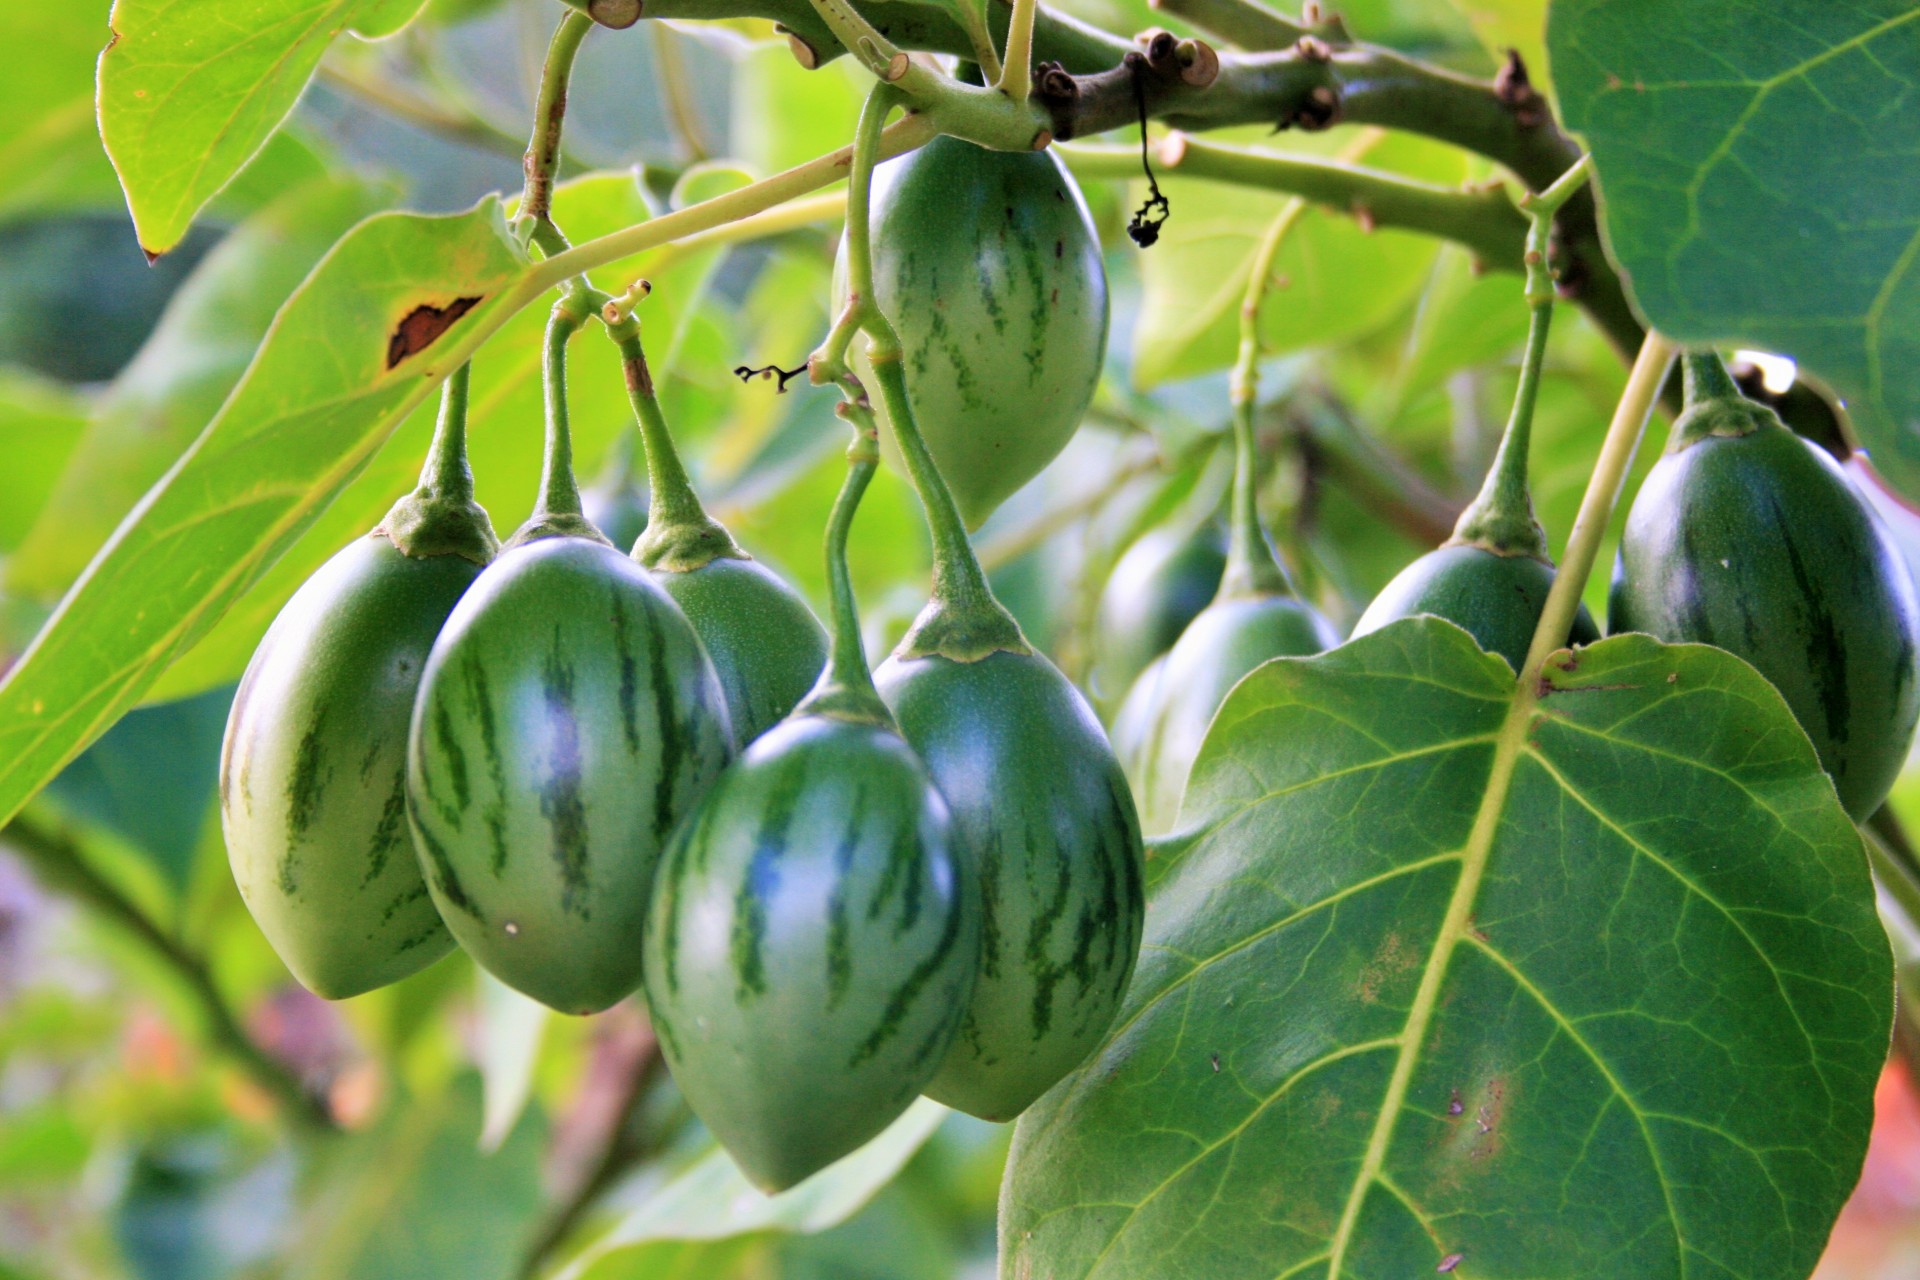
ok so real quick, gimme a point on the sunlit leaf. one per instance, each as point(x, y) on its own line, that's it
point(1592, 989)
point(347, 358)
point(189, 90)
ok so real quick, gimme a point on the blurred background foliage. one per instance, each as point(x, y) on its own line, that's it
point(148, 1037)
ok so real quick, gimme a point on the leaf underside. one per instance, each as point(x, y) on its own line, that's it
point(1756, 164)
point(1595, 990)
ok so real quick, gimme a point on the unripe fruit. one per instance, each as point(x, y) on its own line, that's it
point(1497, 598)
point(567, 719)
point(811, 945)
point(1230, 638)
point(313, 769)
point(1040, 805)
point(1747, 537)
point(1158, 586)
point(766, 645)
point(988, 266)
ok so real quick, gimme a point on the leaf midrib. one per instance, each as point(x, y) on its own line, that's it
point(1509, 745)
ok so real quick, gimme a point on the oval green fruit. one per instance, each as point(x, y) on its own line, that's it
point(1497, 599)
point(766, 644)
point(567, 719)
point(811, 945)
point(1156, 588)
point(988, 266)
point(313, 769)
point(1040, 806)
point(1759, 545)
point(1229, 639)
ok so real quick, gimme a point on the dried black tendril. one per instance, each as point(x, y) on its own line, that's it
point(746, 374)
point(1151, 216)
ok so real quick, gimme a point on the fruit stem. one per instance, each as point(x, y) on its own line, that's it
point(845, 689)
point(549, 115)
point(1251, 568)
point(440, 516)
point(962, 621)
point(680, 535)
point(1016, 75)
point(1596, 507)
point(1501, 518)
point(557, 513)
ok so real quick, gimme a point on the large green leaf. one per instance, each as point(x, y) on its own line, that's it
point(1756, 164)
point(165, 397)
point(1591, 989)
point(504, 427)
point(712, 1201)
point(351, 353)
point(189, 90)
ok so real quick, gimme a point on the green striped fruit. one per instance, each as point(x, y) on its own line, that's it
point(766, 644)
point(1229, 639)
point(988, 266)
point(313, 769)
point(1040, 806)
point(812, 942)
point(567, 718)
point(1758, 544)
point(1496, 598)
point(1158, 586)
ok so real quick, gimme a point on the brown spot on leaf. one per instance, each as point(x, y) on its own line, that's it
point(1395, 957)
point(422, 326)
point(1449, 1262)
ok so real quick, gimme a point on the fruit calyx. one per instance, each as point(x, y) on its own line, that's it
point(1715, 406)
point(440, 517)
point(680, 536)
point(557, 514)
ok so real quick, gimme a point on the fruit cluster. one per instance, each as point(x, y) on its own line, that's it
point(602, 772)
point(599, 772)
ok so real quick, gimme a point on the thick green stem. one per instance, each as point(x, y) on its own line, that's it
point(440, 516)
point(549, 116)
point(1714, 405)
point(1501, 518)
point(1596, 507)
point(962, 621)
point(1251, 568)
point(1480, 219)
point(680, 535)
point(62, 865)
point(1016, 72)
point(557, 513)
point(845, 690)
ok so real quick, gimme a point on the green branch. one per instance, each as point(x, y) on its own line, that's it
point(60, 864)
point(1482, 220)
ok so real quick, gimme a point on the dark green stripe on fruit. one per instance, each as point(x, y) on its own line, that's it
point(629, 674)
point(444, 877)
point(839, 951)
point(907, 992)
point(671, 739)
point(391, 832)
point(447, 740)
point(759, 888)
point(560, 801)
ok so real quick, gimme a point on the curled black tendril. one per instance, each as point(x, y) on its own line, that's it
point(746, 374)
point(1151, 216)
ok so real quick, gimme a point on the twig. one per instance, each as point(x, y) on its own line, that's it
point(60, 864)
point(624, 1147)
point(1244, 23)
point(1482, 220)
point(676, 94)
